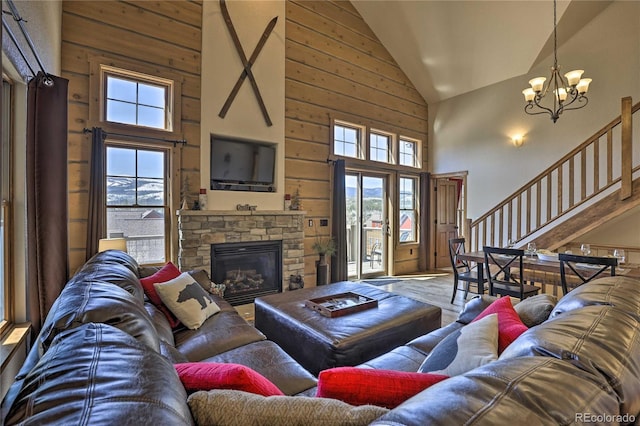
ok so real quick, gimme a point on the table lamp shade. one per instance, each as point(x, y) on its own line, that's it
point(112, 244)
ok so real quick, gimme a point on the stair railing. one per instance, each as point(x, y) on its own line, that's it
point(597, 164)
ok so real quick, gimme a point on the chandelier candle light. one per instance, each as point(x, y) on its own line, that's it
point(566, 90)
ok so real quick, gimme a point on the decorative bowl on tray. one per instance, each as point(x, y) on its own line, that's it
point(547, 255)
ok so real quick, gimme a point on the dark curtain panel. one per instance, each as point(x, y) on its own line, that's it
point(425, 196)
point(47, 260)
point(95, 224)
point(339, 270)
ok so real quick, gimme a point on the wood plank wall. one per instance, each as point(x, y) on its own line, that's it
point(162, 35)
point(336, 67)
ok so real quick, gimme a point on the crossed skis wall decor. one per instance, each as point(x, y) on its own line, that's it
point(247, 64)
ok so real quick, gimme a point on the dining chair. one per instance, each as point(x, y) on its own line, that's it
point(584, 268)
point(499, 263)
point(463, 270)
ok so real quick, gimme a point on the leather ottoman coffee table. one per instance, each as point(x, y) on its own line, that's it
point(318, 342)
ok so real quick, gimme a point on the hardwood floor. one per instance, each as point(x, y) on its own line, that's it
point(434, 288)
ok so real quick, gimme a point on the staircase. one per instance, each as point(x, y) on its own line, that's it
point(596, 181)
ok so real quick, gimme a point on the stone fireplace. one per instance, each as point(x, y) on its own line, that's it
point(203, 231)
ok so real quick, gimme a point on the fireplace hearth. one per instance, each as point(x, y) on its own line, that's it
point(247, 269)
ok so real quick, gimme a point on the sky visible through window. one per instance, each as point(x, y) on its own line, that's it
point(136, 103)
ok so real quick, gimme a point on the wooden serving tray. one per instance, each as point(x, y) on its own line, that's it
point(337, 305)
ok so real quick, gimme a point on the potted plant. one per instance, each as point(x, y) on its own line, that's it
point(323, 246)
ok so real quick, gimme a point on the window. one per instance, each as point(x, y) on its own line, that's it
point(408, 213)
point(136, 188)
point(407, 153)
point(5, 194)
point(137, 99)
point(379, 147)
point(139, 108)
point(396, 151)
point(347, 140)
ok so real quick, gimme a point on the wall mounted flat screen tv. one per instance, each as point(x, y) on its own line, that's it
point(242, 165)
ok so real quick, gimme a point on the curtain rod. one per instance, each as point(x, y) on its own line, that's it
point(16, 17)
point(151, 138)
point(15, 42)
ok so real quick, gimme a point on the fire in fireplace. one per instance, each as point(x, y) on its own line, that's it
point(247, 269)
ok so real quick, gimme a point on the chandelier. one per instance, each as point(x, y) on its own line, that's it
point(566, 90)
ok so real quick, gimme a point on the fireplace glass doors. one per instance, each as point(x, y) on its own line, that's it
point(247, 269)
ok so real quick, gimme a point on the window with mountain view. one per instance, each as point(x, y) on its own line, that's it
point(136, 190)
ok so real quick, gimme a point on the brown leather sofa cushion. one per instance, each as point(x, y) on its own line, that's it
point(621, 292)
point(224, 331)
point(111, 379)
point(597, 338)
point(115, 274)
point(161, 324)
point(272, 362)
point(114, 257)
point(96, 301)
point(516, 391)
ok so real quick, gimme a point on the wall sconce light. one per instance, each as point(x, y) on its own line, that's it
point(517, 140)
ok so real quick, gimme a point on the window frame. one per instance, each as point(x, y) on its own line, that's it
point(101, 67)
point(166, 86)
point(174, 153)
point(107, 71)
point(416, 154)
point(166, 207)
point(414, 209)
point(361, 147)
point(391, 142)
point(364, 155)
point(6, 158)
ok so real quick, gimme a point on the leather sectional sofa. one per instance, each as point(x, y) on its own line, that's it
point(105, 356)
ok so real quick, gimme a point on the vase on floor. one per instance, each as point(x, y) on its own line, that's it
point(322, 270)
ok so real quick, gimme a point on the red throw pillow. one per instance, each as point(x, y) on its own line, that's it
point(510, 326)
point(196, 376)
point(363, 386)
point(166, 273)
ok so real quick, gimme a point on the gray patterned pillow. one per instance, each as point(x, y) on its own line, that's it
point(471, 346)
point(236, 408)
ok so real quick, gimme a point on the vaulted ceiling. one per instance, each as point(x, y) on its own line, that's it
point(448, 48)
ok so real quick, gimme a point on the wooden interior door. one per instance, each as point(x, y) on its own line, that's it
point(446, 222)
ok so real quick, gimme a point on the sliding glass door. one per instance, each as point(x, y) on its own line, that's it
point(367, 225)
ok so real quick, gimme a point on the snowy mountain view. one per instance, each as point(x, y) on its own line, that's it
point(121, 191)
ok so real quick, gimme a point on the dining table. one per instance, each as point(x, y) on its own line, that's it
point(544, 272)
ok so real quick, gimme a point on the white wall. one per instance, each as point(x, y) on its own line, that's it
point(472, 132)
point(43, 24)
point(624, 231)
point(221, 67)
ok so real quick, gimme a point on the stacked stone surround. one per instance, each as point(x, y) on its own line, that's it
point(198, 229)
